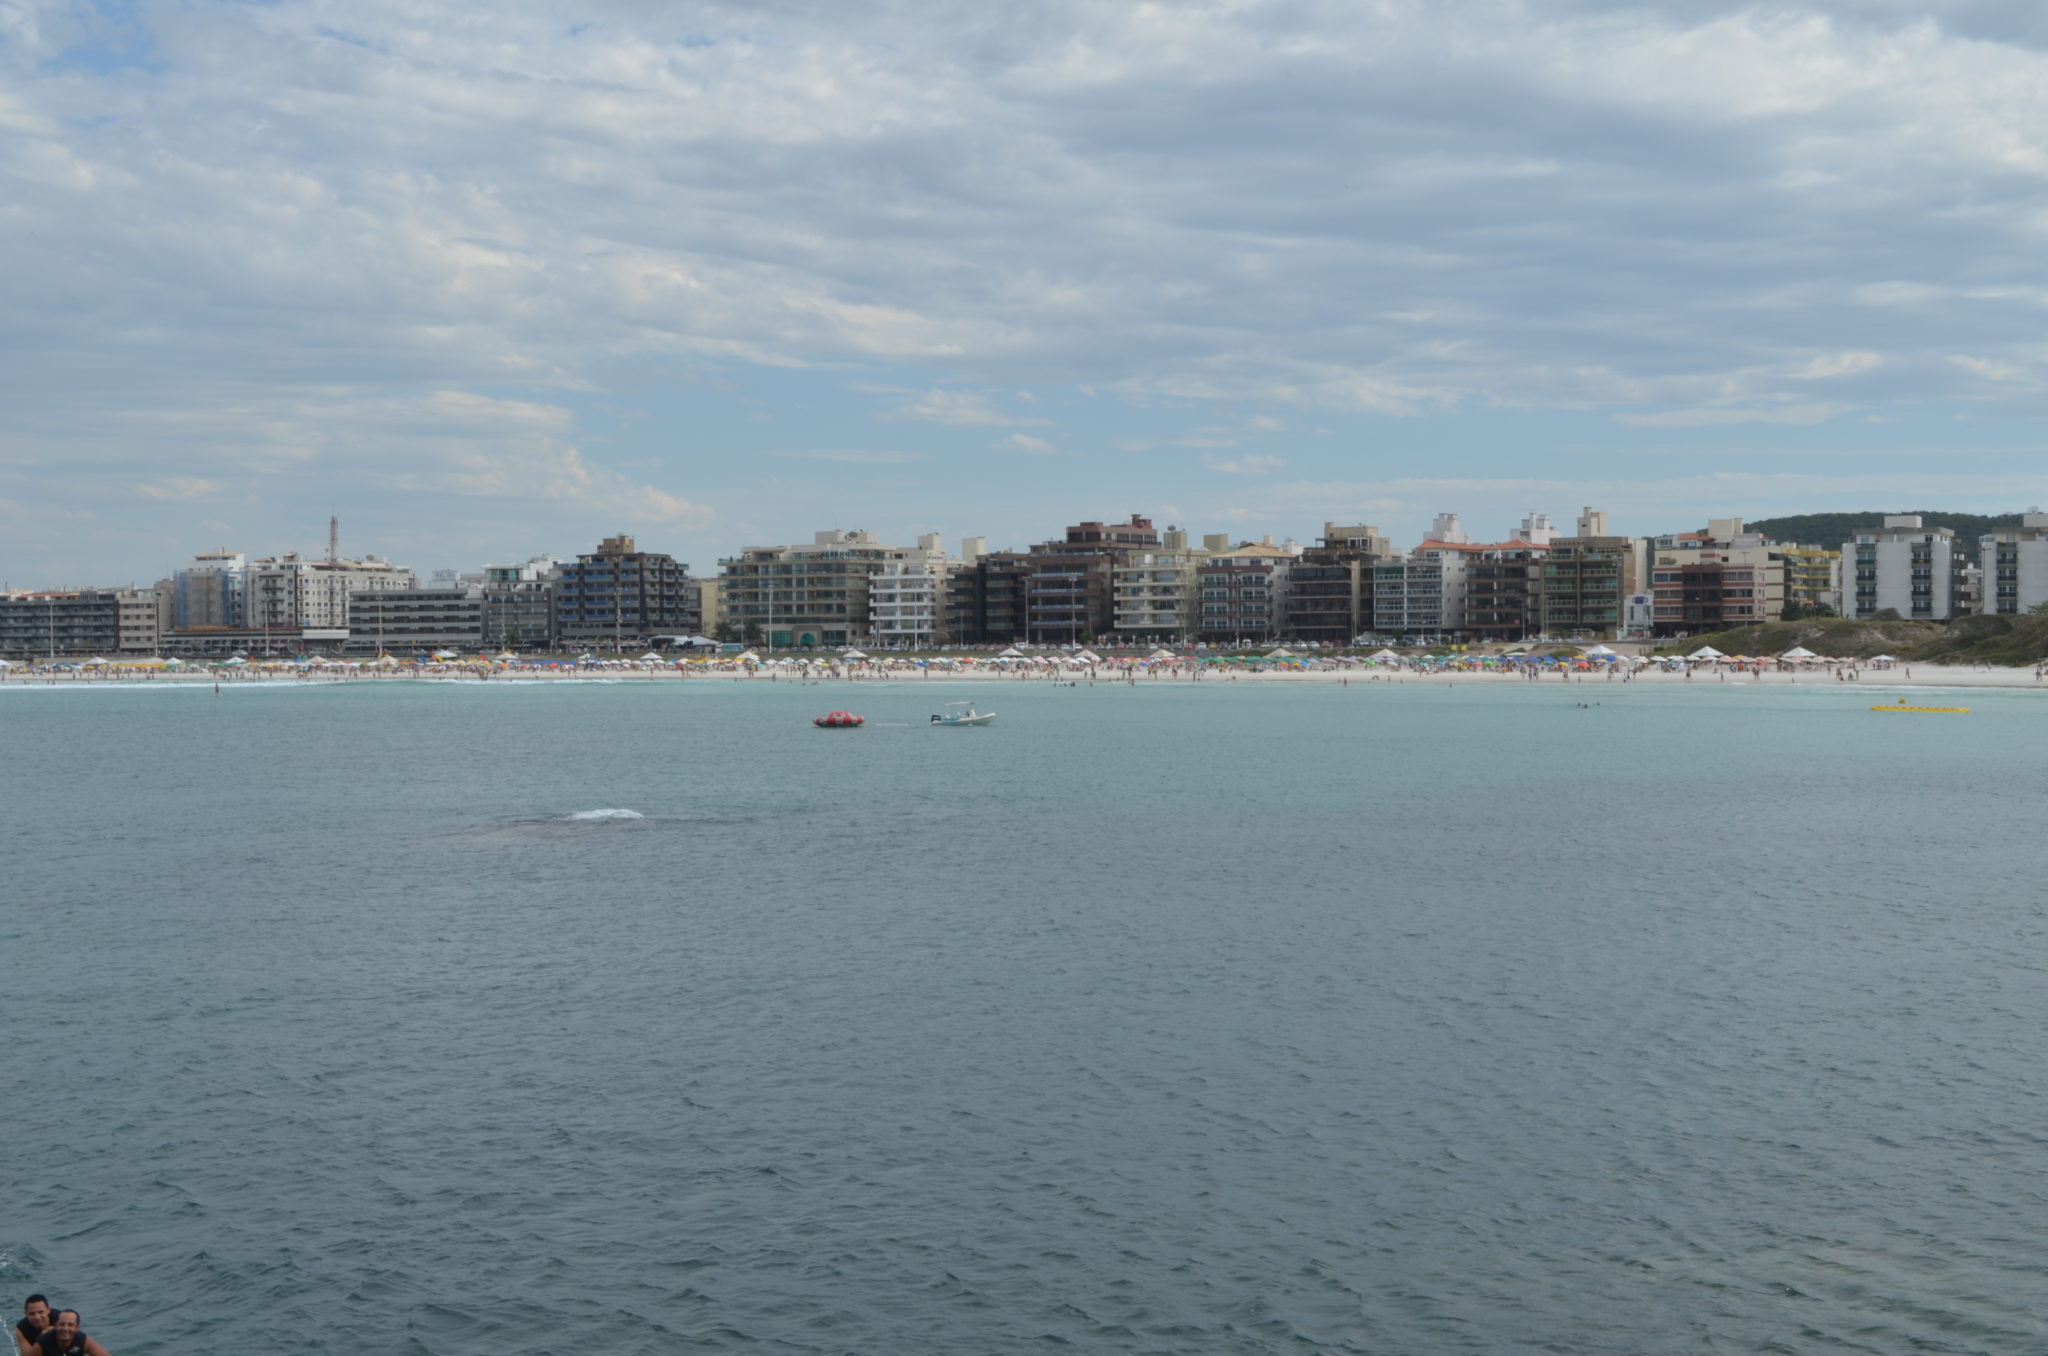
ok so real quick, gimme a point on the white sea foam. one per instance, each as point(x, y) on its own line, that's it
point(607, 814)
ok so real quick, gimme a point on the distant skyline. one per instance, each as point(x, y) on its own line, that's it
point(486, 284)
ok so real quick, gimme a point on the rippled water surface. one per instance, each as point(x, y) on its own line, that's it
point(1211, 1018)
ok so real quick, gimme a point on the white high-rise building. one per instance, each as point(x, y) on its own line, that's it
point(906, 596)
point(1154, 592)
point(291, 592)
point(2015, 565)
point(1905, 566)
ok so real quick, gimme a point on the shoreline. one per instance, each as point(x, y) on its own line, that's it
point(1920, 676)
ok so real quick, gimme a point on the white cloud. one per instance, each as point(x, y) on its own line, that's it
point(180, 488)
point(1246, 466)
point(960, 409)
point(855, 457)
point(1795, 415)
point(1025, 443)
point(1831, 365)
point(1989, 368)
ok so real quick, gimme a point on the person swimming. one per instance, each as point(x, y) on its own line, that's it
point(65, 1338)
point(33, 1323)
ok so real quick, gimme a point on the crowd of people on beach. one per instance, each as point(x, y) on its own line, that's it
point(44, 1331)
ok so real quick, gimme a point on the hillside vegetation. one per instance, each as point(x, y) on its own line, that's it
point(2007, 641)
point(1833, 529)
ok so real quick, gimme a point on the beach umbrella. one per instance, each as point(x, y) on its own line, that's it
point(851, 654)
point(1706, 652)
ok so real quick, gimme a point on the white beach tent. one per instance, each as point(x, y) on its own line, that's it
point(1706, 652)
point(851, 654)
point(1089, 657)
point(650, 658)
point(1383, 654)
point(1602, 652)
point(1012, 653)
point(1161, 653)
point(1799, 652)
point(1280, 652)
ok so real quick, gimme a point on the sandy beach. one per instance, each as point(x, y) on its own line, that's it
point(899, 672)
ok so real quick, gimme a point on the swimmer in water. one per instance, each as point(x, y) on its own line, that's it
point(65, 1338)
point(33, 1323)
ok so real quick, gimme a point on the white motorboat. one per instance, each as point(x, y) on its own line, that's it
point(962, 713)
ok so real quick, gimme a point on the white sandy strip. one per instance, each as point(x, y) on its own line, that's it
point(1915, 675)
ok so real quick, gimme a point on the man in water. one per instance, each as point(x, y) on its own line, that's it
point(35, 1319)
point(64, 1338)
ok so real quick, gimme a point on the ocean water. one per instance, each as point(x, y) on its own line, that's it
point(1191, 1018)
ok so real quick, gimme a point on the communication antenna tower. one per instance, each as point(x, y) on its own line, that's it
point(333, 539)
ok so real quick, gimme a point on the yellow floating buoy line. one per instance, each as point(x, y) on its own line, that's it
point(1901, 706)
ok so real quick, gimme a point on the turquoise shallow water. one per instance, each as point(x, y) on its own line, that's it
point(1190, 1018)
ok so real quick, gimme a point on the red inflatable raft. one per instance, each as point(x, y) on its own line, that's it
point(839, 720)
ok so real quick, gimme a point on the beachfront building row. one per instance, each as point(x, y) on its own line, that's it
point(1127, 582)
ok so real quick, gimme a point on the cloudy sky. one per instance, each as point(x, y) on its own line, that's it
point(493, 284)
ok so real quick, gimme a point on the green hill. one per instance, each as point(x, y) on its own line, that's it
point(2005, 641)
point(1837, 638)
point(1832, 529)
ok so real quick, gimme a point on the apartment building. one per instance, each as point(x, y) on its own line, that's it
point(806, 595)
point(1813, 577)
point(2014, 566)
point(143, 616)
point(1330, 586)
point(1588, 576)
point(519, 604)
point(293, 593)
point(414, 620)
point(619, 596)
point(1243, 593)
point(1504, 590)
point(1070, 592)
point(1720, 577)
point(1155, 594)
point(907, 597)
point(1907, 567)
point(985, 596)
point(80, 623)
point(209, 591)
